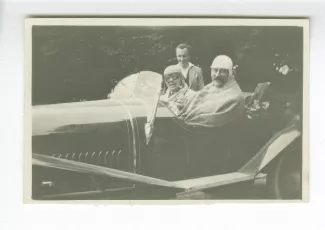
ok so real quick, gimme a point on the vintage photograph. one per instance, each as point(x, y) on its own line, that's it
point(166, 109)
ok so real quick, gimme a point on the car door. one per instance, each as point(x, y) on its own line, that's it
point(166, 155)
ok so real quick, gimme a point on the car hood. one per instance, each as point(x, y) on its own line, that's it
point(55, 118)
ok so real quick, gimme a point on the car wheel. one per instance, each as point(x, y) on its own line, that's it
point(286, 176)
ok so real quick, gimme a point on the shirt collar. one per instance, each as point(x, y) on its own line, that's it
point(189, 65)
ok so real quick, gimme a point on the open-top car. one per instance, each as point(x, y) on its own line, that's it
point(132, 146)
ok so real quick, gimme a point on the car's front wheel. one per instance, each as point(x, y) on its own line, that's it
point(285, 177)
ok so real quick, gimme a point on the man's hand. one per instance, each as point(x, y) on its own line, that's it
point(180, 102)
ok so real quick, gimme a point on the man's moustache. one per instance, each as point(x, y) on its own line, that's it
point(218, 79)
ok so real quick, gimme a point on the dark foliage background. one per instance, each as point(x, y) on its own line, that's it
point(84, 63)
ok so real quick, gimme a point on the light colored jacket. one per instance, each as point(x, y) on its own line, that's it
point(196, 81)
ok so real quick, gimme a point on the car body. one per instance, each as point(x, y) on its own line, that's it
point(132, 146)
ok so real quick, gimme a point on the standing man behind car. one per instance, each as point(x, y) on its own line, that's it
point(192, 74)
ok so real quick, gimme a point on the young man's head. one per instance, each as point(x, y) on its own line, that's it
point(183, 52)
point(221, 70)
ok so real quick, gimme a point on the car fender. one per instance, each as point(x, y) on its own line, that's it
point(271, 150)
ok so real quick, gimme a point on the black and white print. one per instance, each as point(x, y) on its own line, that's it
point(166, 109)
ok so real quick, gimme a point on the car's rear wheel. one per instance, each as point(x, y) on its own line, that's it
point(285, 178)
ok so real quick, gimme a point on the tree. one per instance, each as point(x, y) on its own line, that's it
point(85, 63)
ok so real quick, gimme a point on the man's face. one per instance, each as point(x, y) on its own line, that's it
point(219, 76)
point(173, 81)
point(183, 56)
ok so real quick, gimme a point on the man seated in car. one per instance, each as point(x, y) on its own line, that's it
point(178, 93)
point(219, 102)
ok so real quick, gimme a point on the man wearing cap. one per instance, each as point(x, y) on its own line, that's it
point(220, 102)
point(192, 74)
point(177, 93)
point(222, 75)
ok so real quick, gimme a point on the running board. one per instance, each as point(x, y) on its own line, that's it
point(202, 183)
point(190, 185)
point(53, 162)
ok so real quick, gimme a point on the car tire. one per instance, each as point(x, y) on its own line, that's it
point(285, 176)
